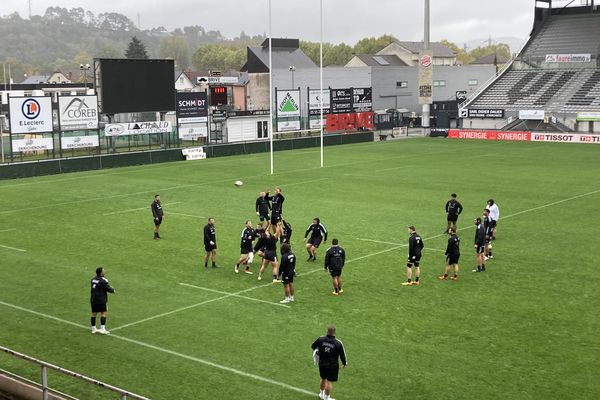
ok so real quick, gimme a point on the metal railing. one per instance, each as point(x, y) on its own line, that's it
point(124, 395)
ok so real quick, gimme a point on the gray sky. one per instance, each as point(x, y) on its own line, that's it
point(345, 20)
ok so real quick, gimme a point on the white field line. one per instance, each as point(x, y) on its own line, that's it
point(187, 215)
point(304, 182)
point(137, 209)
point(170, 352)
point(189, 307)
point(8, 230)
point(426, 249)
point(12, 248)
point(235, 295)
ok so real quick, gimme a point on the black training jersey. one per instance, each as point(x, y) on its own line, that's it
point(99, 290)
point(415, 245)
point(210, 234)
point(335, 258)
point(277, 203)
point(247, 237)
point(157, 210)
point(288, 264)
point(329, 350)
point(453, 207)
point(316, 230)
point(487, 225)
point(270, 243)
point(286, 234)
point(262, 205)
point(453, 248)
point(479, 235)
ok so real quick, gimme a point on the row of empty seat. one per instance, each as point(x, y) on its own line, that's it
point(552, 90)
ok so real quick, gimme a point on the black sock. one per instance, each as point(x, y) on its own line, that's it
point(417, 279)
point(455, 275)
point(213, 264)
point(93, 320)
point(102, 321)
point(445, 275)
point(483, 267)
point(409, 280)
point(205, 264)
point(490, 254)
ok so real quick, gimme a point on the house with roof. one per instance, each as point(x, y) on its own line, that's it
point(56, 78)
point(409, 52)
point(372, 60)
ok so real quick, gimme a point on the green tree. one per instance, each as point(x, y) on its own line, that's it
point(339, 54)
point(218, 56)
point(500, 49)
point(462, 57)
point(175, 47)
point(136, 49)
point(372, 45)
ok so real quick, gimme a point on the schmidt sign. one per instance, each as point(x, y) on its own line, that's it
point(192, 107)
point(78, 112)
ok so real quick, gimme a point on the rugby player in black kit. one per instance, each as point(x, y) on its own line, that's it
point(318, 233)
point(157, 214)
point(287, 270)
point(210, 243)
point(270, 256)
point(98, 299)
point(329, 349)
point(263, 207)
point(245, 247)
point(276, 208)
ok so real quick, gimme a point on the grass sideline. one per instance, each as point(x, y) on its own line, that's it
point(527, 329)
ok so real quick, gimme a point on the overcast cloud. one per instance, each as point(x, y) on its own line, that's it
point(347, 21)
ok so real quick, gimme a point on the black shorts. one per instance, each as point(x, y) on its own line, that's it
point(246, 249)
point(99, 307)
point(271, 255)
point(452, 259)
point(284, 239)
point(335, 272)
point(410, 261)
point(480, 249)
point(287, 279)
point(157, 221)
point(452, 218)
point(493, 223)
point(275, 218)
point(315, 241)
point(329, 373)
point(263, 217)
point(210, 247)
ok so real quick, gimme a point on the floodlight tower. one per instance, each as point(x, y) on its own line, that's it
point(426, 107)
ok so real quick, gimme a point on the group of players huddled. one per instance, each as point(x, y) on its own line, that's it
point(485, 233)
point(262, 242)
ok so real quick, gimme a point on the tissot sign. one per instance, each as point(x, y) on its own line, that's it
point(78, 112)
point(30, 114)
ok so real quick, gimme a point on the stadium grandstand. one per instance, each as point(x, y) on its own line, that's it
point(553, 82)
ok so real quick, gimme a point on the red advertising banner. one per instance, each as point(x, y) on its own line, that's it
point(522, 136)
point(349, 122)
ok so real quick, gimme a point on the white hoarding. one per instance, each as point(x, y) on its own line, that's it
point(568, 58)
point(314, 101)
point(79, 142)
point(314, 123)
point(37, 144)
point(187, 132)
point(137, 128)
point(78, 112)
point(30, 114)
point(287, 126)
point(288, 103)
point(537, 115)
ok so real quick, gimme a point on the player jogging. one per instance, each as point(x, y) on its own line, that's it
point(452, 255)
point(453, 210)
point(158, 214)
point(245, 247)
point(287, 269)
point(318, 234)
point(335, 258)
point(479, 245)
point(210, 243)
point(415, 246)
point(98, 299)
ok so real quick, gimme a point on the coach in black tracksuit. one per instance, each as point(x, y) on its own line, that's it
point(329, 349)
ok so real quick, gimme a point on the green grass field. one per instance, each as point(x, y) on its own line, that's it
point(526, 329)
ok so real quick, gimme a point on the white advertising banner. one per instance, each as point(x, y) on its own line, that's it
point(288, 103)
point(79, 142)
point(314, 101)
point(314, 123)
point(194, 153)
point(78, 112)
point(537, 115)
point(187, 132)
point(568, 58)
point(37, 144)
point(137, 128)
point(565, 138)
point(287, 126)
point(30, 114)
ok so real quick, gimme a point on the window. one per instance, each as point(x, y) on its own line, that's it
point(263, 129)
point(473, 82)
point(439, 83)
point(402, 84)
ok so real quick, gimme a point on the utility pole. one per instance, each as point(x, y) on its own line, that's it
point(426, 107)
